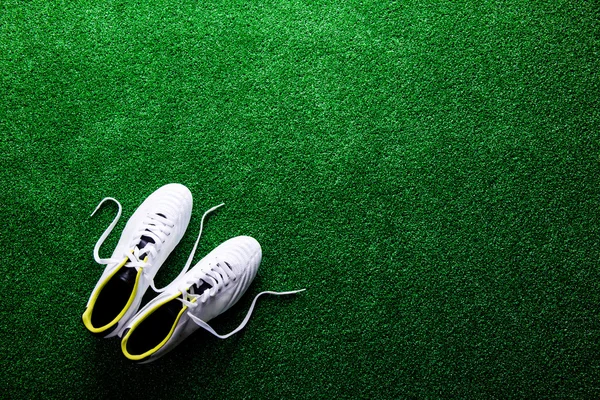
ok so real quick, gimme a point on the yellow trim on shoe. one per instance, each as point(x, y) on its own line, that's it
point(162, 343)
point(87, 315)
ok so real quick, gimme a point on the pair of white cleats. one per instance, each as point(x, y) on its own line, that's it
point(195, 297)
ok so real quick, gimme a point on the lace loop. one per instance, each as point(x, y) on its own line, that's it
point(192, 253)
point(217, 277)
point(106, 232)
point(208, 328)
point(156, 227)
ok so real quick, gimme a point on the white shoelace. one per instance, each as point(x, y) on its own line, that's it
point(218, 277)
point(207, 327)
point(154, 226)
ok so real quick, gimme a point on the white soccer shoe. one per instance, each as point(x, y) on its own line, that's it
point(208, 289)
point(149, 237)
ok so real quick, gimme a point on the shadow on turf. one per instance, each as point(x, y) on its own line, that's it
point(200, 355)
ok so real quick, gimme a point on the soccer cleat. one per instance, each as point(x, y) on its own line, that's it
point(207, 290)
point(150, 235)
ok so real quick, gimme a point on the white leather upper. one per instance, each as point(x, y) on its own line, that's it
point(173, 201)
point(243, 254)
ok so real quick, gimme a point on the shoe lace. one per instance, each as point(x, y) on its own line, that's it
point(216, 277)
point(153, 233)
point(208, 328)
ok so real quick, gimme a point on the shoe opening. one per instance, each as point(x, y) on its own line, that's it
point(114, 297)
point(151, 333)
point(113, 300)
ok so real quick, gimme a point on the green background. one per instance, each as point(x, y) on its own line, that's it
point(428, 170)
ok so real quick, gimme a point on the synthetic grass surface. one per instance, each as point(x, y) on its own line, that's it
point(428, 170)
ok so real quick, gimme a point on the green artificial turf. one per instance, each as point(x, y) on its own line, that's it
point(427, 170)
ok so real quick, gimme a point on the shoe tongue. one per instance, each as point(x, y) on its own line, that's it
point(200, 287)
point(127, 275)
point(145, 240)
